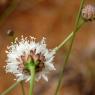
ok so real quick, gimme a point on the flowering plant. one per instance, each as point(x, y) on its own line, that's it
point(29, 60)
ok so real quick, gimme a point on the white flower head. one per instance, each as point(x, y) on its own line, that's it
point(21, 51)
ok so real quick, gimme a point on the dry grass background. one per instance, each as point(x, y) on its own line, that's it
point(53, 19)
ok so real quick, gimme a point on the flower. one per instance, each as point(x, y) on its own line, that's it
point(24, 50)
point(88, 12)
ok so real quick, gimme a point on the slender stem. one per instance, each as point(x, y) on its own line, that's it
point(22, 87)
point(77, 26)
point(8, 11)
point(10, 88)
point(67, 38)
point(32, 80)
point(70, 48)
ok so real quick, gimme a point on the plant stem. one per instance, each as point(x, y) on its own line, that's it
point(32, 80)
point(72, 35)
point(67, 38)
point(22, 87)
point(10, 88)
point(78, 25)
point(8, 11)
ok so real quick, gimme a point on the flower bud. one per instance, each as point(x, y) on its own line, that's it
point(88, 12)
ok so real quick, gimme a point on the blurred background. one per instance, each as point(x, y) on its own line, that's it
point(53, 19)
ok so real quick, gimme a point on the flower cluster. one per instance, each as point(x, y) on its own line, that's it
point(88, 12)
point(22, 51)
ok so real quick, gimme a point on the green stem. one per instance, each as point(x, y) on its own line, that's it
point(8, 11)
point(72, 35)
point(22, 87)
point(32, 69)
point(10, 88)
point(77, 26)
point(67, 38)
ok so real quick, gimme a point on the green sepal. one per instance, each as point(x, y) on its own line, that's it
point(29, 64)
